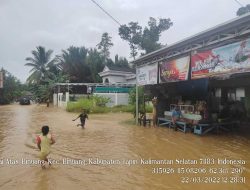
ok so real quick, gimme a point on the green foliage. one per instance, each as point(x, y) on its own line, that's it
point(133, 34)
point(151, 34)
point(146, 40)
point(132, 95)
point(100, 100)
point(243, 10)
point(73, 62)
point(45, 91)
point(76, 64)
point(142, 107)
point(105, 45)
point(121, 62)
point(95, 62)
point(95, 104)
point(92, 104)
point(12, 88)
point(41, 64)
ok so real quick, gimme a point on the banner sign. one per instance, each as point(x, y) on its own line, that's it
point(147, 74)
point(175, 70)
point(229, 59)
point(1, 79)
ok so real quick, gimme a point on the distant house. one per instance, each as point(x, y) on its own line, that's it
point(117, 82)
point(114, 74)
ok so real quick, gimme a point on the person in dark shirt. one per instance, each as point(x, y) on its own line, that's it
point(176, 116)
point(83, 116)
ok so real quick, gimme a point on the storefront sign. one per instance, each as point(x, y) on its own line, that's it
point(147, 74)
point(229, 59)
point(176, 70)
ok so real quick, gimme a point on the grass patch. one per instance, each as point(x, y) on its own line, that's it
point(97, 105)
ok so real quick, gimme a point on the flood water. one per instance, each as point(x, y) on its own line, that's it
point(124, 152)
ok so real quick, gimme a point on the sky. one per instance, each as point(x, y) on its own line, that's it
point(59, 24)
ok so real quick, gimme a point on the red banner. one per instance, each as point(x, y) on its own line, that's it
point(225, 60)
point(175, 70)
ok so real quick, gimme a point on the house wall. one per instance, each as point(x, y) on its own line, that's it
point(131, 81)
point(114, 79)
point(116, 98)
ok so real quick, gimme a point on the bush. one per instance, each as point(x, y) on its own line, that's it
point(79, 105)
point(96, 104)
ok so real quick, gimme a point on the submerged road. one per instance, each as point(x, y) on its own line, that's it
point(111, 153)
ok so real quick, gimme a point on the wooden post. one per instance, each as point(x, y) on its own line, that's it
point(154, 102)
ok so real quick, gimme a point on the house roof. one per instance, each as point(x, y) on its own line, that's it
point(122, 69)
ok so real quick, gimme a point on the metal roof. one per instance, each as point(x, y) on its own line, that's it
point(228, 30)
point(96, 84)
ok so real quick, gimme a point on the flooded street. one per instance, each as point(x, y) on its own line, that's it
point(129, 156)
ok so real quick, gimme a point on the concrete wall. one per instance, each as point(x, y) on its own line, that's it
point(114, 79)
point(116, 98)
point(61, 99)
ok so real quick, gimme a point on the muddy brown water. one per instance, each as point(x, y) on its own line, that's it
point(124, 152)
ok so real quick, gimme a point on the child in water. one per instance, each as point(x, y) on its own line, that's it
point(44, 142)
point(83, 116)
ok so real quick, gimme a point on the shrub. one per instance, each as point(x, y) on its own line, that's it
point(96, 104)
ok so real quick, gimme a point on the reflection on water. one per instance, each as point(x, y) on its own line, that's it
point(107, 137)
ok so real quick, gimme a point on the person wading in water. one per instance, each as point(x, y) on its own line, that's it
point(44, 142)
point(83, 116)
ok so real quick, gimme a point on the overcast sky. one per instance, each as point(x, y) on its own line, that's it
point(58, 24)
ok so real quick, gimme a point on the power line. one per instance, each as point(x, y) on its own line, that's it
point(106, 12)
point(239, 3)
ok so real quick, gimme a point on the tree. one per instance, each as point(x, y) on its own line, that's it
point(73, 62)
point(133, 34)
point(132, 99)
point(40, 63)
point(45, 91)
point(12, 88)
point(121, 61)
point(243, 10)
point(151, 34)
point(105, 45)
point(95, 62)
point(146, 40)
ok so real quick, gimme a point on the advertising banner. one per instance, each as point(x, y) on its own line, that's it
point(147, 74)
point(229, 59)
point(175, 70)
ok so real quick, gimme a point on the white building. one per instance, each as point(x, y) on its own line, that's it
point(120, 76)
point(113, 74)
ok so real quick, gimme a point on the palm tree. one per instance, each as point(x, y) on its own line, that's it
point(73, 62)
point(41, 63)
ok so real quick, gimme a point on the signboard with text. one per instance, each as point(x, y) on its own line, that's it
point(175, 70)
point(228, 59)
point(147, 74)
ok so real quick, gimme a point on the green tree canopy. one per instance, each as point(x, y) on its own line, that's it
point(105, 45)
point(147, 39)
point(12, 88)
point(41, 63)
point(95, 62)
point(243, 10)
point(45, 91)
point(121, 61)
point(152, 33)
point(133, 34)
point(73, 62)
